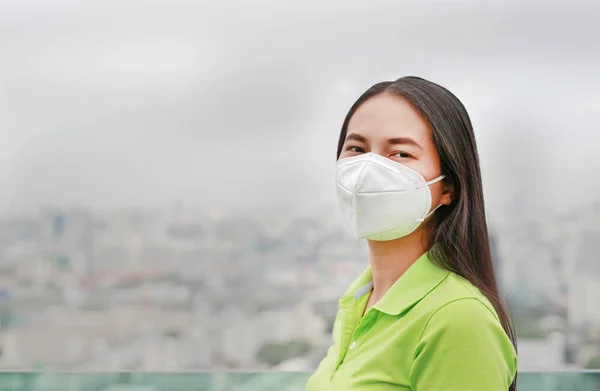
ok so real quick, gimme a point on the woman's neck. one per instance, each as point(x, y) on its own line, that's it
point(390, 259)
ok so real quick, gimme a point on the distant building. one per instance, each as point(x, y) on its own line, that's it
point(585, 285)
point(495, 255)
point(66, 237)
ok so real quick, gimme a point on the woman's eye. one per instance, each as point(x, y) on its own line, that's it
point(403, 155)
point(354, 148)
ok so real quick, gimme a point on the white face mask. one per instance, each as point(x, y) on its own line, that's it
point(381, 199)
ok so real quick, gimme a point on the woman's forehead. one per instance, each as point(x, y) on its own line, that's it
point(387, 117)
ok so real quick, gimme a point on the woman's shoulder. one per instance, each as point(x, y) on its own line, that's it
point(462, 342)
point(458, 311)
point(456, 297)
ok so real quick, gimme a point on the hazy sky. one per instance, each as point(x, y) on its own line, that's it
point(239, 104)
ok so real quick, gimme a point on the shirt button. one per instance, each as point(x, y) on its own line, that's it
point(352, 345)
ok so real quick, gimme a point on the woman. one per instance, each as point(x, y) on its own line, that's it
point(426, 314)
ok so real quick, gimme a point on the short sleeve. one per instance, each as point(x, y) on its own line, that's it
point(463, 348)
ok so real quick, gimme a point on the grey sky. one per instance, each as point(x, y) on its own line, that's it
point(239, 103)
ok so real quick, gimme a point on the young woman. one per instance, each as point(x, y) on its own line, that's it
point(426, 314)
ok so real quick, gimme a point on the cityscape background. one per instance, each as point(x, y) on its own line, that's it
point(166, 172)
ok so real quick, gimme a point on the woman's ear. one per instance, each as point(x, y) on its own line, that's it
point(448, 193)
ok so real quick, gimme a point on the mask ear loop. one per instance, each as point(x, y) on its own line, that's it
point(431, 182)
point(421, 219)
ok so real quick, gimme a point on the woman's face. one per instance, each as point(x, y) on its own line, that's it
point(389, 126)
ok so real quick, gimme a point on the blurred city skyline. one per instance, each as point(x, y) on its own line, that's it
point(167, 196)
point(238, 106)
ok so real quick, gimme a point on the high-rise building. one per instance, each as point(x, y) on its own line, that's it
point(495, 253)
point(584, 289)
point(67, 239)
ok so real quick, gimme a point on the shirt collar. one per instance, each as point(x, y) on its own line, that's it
point(420, 279)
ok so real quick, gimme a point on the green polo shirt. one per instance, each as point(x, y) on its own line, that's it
point(432, 331)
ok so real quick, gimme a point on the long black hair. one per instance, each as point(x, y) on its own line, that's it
point(459, 239)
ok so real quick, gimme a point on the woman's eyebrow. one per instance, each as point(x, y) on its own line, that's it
point(404, 141)
point(356, 137)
